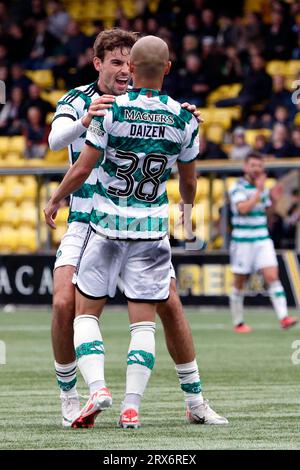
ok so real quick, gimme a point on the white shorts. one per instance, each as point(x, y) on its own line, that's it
point(143, 267)
point(70, 247)
point(246, 258)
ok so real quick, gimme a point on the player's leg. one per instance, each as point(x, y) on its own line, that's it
point(90, 354)
point(241, 258)
point(180, 345)
point(140, 360)
point(63, 316)
point(62, 341)
point(266, 262)
point(237, 304)
point(177, 331)
point(146, 279)
point(277, 296)
point(95, 280)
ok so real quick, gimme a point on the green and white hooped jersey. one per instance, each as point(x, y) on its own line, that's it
point(74, 105)
point(142, 136)
point(251, 227)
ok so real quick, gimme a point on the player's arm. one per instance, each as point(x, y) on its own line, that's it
point(73, 180)
point(246, 206)
point(187, 182)
point(68, 125)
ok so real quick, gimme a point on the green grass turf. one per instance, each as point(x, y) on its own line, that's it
point(248, 378)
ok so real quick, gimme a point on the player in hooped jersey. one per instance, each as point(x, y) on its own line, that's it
point(251, 247)
point(74, 113)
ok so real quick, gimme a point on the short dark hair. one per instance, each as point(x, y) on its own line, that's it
point(111, 39)
point(255, 155)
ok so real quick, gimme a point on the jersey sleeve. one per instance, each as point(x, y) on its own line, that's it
point(190, 146)
point(97, 133)
point(69, 106)
point(237, 195)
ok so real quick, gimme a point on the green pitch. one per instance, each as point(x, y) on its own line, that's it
point(248, 378)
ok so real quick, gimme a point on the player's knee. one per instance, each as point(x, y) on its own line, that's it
point(63, 307)
point(173, 305)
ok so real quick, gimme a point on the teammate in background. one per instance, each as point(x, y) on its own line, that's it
point(251, 247)
point(74, 113)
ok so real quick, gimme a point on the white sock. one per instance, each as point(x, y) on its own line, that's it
point(237, 306)
point(89, 349)
point(66, 379)
point(132, 400)
point(278, 299)
point(190, 383)
point(140, 362)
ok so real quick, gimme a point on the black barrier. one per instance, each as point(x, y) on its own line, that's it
point(202, 279)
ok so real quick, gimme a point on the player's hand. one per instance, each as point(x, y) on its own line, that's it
point(260, 181)
point(192, 108)
point(98, 108)
point(276, 192)
point(50, 213)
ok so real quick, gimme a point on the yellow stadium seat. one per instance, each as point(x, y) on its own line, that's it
point(27, 241)
point(59, 156)
point(29, 216)
point(215, 133)
point(58, 234)
point(10, 214)
point(218, 189)
point(28, 180)
point(251, 134)
point(88, 28)
point(202, 231)
point(30, 187)
point(36, 162)
point(230, 181)
point(4, 145)
point(129, 8)
point(224, 91)
point(222, 116)
point(297, 119)
point(2, 192)
point(292, 68)
point(202, 188)
point(8, 239)
point(43, 78)
point(14, 159)
point(276, 67)
point(48, 190)
point(62, 216)
point(52, 96)
point(49, 118)
point(17, 144)
point(15, 192)
point(201, 210)
point(10, 180)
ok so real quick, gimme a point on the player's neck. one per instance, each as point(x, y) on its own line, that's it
point(146, 83)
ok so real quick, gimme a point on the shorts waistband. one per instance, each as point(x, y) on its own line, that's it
point(127, 239)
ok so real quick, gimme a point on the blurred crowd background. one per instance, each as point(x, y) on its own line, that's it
point(238, 61)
